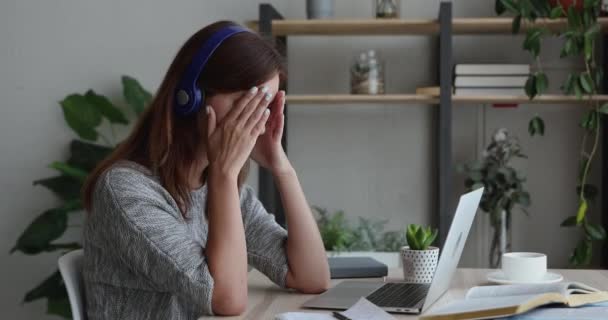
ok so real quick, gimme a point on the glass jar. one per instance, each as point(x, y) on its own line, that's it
point(367, 74)
point(387, 9)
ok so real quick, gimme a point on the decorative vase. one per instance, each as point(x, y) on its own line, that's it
point(387, 9)
point(501, 239)
point(319, 9)
point(419, 265)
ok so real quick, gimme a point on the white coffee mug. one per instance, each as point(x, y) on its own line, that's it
point(524, 266)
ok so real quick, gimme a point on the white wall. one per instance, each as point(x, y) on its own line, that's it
point(368, 160)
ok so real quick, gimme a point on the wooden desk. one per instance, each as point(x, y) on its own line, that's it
point(266, 299)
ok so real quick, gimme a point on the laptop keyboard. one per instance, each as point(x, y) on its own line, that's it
point(399, 295)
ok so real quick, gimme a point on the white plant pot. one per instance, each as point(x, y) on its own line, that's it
point(419, 265)
point(390, 259)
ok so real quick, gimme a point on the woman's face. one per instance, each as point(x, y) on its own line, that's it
point(223, 102)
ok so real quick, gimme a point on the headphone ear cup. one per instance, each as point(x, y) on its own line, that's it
point(199, 99)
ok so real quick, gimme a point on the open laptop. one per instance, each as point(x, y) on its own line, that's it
point(402, 297)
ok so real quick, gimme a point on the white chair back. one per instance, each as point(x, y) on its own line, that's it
point(70, 266)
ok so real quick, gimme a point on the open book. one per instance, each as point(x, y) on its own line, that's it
point(506, 300)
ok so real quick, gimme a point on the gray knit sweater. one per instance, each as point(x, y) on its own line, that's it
point(143, 260)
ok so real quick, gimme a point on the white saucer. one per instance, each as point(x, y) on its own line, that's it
point(500, 278)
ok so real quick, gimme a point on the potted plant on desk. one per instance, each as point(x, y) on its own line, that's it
point(419, 258)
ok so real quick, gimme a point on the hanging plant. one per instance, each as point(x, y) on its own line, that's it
point(579, 40)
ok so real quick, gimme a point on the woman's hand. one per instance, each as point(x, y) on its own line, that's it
point(230, 142)
point(268, 151)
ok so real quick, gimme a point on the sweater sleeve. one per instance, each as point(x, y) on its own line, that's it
point(151, 237)
point(265, 239)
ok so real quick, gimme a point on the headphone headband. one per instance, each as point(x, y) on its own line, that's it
point(188, 97)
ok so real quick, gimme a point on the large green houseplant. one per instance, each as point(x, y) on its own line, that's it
point(93, 118)
point(580, 40)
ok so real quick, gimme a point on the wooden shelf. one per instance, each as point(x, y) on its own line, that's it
point(336, 27)
point(427, 99)
point(361, 98)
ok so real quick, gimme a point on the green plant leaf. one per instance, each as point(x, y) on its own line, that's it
point(59, 306)
point(578, 91)
point(604, 108)
point(568, 86)
point(590, 193)
point(516, 24)
point(582, 253)
point(69, 170)
point(574, 18)
point(569, 222)
point(586, 82)
point(87, 155)
point(556, 12)
point(542, 82)
point(63, 186)
point(595, 232)
point(532, 41)
point(499, 8)
point(48, 226)
point(411, 236)
point(531, 86)
point(81, 116)
point(580, 214)
point(106, 108)
point(52, 287)
point(135, 95)
point(536, 126)
point(430, 238)
point(589, 120)
point(588, 4)
point(511, 6)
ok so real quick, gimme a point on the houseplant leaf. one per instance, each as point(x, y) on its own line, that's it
point(595, 231)
point(569, 222)
point(59, 306)
point(536, 126)
point(582, 209)
point(47, 227)
point(64, 187)
point(69, 170)
point(106, 108)
point(52, 286)
point(87, 155)
point(81, 116)
point(135, 95)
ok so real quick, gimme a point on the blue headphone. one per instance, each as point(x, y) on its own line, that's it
point(188, 97)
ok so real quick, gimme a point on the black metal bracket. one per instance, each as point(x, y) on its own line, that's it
point(268, 191)
point(444, 123)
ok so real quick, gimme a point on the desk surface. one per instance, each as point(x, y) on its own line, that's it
point(266, 299)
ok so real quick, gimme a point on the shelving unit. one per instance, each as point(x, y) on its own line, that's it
point(344, 27)
point(427, 99)
point(272, 26)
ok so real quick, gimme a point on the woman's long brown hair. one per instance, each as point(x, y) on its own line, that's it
point(170, 145)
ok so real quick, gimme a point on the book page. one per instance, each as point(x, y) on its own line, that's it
point(365, 310)
point(577, 288)
point(515, 290)
point(480, 304)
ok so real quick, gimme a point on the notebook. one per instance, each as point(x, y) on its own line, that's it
point(362, 310)
point(507, 300)
point(356, 267)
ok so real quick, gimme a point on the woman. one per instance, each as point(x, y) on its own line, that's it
point(171, 227)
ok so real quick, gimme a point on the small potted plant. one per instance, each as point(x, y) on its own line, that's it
point(419, 258)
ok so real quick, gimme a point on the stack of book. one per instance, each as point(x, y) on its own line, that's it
point(490, 79)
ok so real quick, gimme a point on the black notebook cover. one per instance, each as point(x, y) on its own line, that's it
point(356, 267)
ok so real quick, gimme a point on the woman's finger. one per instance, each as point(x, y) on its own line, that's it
point(258, 112)
point(241, 103)
point(254, 104)
point(279, 130)
point(258, 129)
point(211, 120)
